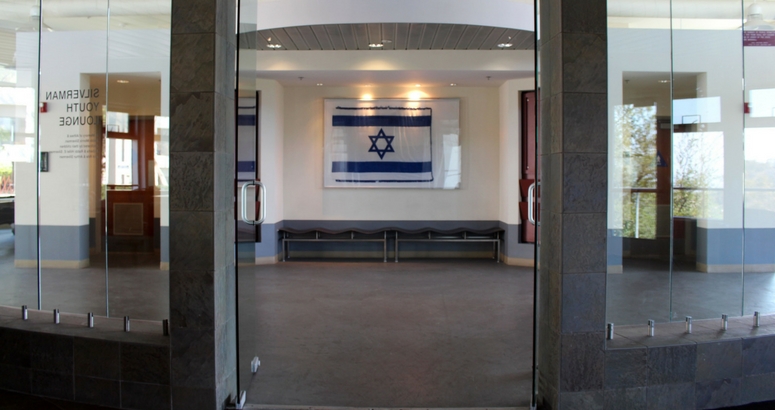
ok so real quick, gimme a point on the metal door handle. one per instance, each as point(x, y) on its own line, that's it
point(530, 198)
point(244, 202)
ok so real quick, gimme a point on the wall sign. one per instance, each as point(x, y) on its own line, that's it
point(758, 38)
point(392, 143)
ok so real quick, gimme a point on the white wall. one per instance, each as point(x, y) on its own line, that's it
point(306, 199)
point(271, 131)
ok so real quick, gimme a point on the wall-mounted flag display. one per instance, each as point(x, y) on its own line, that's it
point(392, 143)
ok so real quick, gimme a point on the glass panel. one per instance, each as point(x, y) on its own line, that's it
point(639, 95)
point(135, 158)
point(707, 160)
point(759, 39)
point(247, 168)
point(72, 66)
point(19, 40)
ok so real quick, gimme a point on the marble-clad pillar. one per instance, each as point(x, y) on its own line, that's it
point(571, 355)
point(202, 267)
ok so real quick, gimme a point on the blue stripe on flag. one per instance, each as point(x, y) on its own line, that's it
point(381, 121)
point(370, 166)
point(246, 119)
point(246, 166)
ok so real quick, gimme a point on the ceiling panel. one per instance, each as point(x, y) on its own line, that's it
point(492, 41)
point(402, 36)
point(297, 38)
point(389, 34)
point(309, 37)
point(361, 36)
point(348, 36)
point(442, 33)
point(428, 35)
point(525, 41)
point(468, 35)
point(375, 33)
point(454, 36)
point(481, 35)
point(279, 36)
point(395, 36)
point(415, 36)
point(322, 37)
point(336, 37)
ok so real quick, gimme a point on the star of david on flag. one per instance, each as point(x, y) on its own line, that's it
point(375, 141)
point(381, 144)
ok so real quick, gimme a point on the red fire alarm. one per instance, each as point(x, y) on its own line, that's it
point(746, 108)
point(43, 107)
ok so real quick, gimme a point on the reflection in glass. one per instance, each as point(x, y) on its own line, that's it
point(19, 34)
point(759, 232)
point(700, 216)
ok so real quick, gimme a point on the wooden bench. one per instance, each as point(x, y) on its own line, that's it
point(460, 235)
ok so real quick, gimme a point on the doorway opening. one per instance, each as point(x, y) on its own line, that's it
point(447, 326)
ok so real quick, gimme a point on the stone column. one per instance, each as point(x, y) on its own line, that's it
point(574, 141)
point(202, 267)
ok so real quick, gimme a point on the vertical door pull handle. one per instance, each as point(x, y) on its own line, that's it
point(530, 200)
point(244, 202)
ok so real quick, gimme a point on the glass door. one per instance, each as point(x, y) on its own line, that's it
point(19, 67)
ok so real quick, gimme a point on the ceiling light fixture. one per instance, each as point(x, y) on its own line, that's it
point(505, 45)
point(320, 84)
point(376, 45)
point(453, 85)
point(274, 46)
point(387, 41)
point(122, 81)
point(664, 81)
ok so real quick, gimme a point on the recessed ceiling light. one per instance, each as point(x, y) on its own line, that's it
point(376, 45)
point(320, 84)
point(122, 81)
point(664, 81)
point(505, 45)
point(453, 85)
point(275, 46)
point(387, 41)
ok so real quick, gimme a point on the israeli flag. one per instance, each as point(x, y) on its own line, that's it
point(381, 144)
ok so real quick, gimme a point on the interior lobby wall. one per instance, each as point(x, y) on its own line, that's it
point(271, 159)
point(477, 199)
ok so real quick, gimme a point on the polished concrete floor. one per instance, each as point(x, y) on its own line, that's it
point(643, 291)
point(432, 333)
point(371, 334)
point(136, 287)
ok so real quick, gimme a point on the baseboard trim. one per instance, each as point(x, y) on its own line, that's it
point(736, 268)
point(51, 264)
point(615, 269)
point(524, 262)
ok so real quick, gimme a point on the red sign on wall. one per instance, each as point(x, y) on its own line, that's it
point(758, 38)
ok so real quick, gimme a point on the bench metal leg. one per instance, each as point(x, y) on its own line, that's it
point(395, 251)
point(384, 246)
